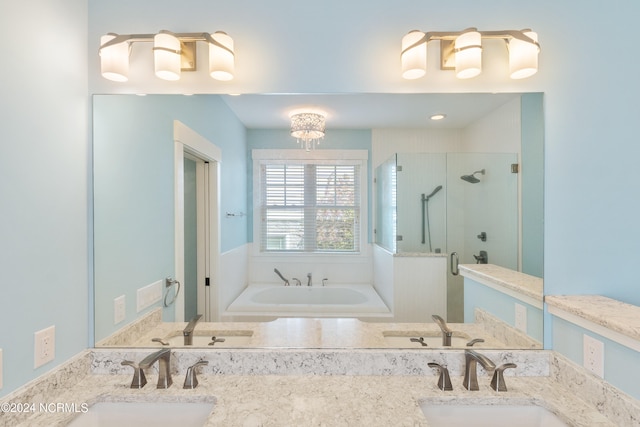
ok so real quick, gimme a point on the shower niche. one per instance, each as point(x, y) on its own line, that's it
point(439, 203)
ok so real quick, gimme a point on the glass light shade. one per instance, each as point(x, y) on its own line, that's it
point(166, 56)
point(414, 60)
point(468, 51)
point(221, 61)
point(114, 60)
point(523, 56)
point(308, 129)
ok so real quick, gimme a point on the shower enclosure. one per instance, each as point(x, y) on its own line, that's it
point(476, 209)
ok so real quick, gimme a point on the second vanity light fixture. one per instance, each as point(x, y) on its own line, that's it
point(172, 52)
point(462, 51)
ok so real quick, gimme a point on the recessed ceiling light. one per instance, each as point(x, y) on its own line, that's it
point(438, 116)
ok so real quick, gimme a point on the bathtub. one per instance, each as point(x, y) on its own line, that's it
point(309, 301)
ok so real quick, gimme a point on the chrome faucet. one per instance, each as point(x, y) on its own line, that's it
point(446, 332)
point(309, 280)
point(188, 331)
point(163, 357)
point(472, 358)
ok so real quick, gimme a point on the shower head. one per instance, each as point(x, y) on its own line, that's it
point(435, 190)
point(471, 178)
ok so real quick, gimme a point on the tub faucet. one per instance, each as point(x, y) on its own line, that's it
point(446, 332)
point(286, 282)
point(472, 358)
point(188, 331)
point(163, 357)
point(309, 280)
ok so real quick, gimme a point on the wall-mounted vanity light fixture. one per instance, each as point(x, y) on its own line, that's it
point(462, 51)
point(172, 52)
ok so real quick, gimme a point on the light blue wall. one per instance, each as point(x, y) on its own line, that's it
point(44, 183)
point(502, 306)
point(134, 199)
point(590, 125)
point(335, 139)
point(620, 362)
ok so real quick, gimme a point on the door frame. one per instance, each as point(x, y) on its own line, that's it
point(187, 141)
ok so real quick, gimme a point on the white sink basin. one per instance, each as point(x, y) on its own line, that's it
point(157, 414)
point(397, 340)
point(489, 416)
point(231, 339)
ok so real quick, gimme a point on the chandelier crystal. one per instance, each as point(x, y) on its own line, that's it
point(308, 129)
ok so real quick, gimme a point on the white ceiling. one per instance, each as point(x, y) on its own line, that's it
point(367, 111)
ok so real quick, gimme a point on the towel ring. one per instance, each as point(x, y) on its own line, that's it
point(169, 283)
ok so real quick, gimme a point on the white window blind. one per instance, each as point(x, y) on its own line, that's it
point(310, 207)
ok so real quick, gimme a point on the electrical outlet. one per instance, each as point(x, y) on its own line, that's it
point(44, 346)
point(119, 309)
point(593, 355)
point(521, 317)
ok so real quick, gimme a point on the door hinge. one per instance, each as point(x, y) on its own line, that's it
point(515, 168)
point(206, 281)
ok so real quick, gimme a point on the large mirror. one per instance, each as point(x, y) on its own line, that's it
point(179, 183)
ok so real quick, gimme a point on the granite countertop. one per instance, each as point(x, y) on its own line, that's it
point(322, 400)
point(321, 387)
point(317, 333)
point(525, 284)
point(618, 316)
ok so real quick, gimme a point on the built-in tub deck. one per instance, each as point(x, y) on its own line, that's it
point(349, 300)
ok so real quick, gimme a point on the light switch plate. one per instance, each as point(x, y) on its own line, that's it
point(44, 346)
point(521, 317)
point(593, 355)
point(119, 309)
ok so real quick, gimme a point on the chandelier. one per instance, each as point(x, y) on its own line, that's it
point(308, 129)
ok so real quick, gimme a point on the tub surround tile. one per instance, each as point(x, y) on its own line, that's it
point(615, 315)
point(530, 287)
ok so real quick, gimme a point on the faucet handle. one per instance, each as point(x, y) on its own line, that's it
point(444, 381)
point(497, 382)
point(191, 381)
point(139, 380)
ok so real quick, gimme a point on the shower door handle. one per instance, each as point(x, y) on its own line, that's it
point(455, 271)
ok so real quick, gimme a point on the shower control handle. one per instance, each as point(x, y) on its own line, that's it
point(483, 258)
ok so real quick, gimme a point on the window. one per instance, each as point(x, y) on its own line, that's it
point(310, 206)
